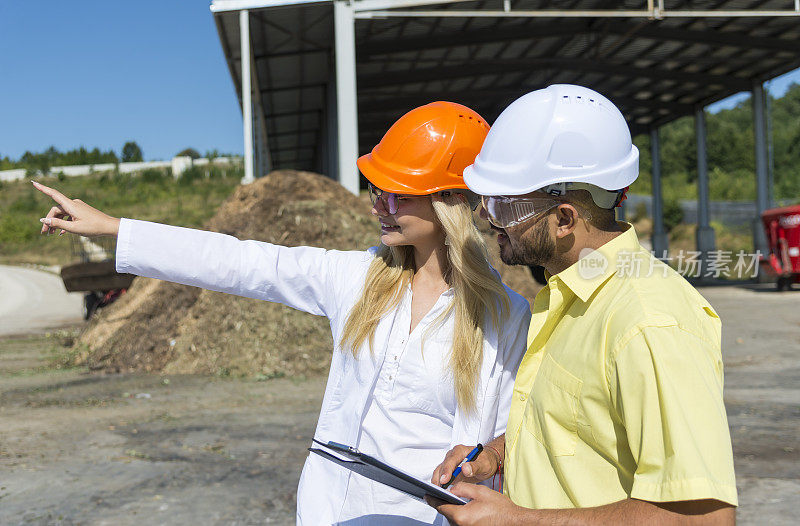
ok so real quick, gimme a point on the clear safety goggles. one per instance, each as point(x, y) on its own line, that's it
point(505, 212)
point(391, 201)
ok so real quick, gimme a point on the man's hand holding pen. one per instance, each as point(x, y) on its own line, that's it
point(484, 467)
point(486, 507)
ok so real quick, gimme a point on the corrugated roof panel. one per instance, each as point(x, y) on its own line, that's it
point(292, 46)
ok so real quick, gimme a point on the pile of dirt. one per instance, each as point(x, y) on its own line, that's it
point(159, 326)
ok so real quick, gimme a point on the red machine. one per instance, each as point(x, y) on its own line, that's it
point(782, 226)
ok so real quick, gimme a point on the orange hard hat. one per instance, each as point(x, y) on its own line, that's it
point(426, 150)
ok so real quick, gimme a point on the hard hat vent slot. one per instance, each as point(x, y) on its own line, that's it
point(472, 119)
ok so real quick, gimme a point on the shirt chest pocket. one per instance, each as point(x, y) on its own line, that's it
point(551, 413)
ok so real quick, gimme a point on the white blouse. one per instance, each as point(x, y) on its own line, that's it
point(396, 402)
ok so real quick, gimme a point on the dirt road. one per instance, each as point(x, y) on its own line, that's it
point(32, 300)
point(761, 350)
point(79, 448)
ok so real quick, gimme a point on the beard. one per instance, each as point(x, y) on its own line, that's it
point(536, 251)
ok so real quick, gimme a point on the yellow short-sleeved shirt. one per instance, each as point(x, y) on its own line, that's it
point(620, 392)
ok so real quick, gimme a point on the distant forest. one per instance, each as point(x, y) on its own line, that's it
point(52, 157)
point(131, 152)
point(730, 151)
point(730, 142)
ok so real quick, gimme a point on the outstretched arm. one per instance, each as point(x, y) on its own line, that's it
point(299, 277)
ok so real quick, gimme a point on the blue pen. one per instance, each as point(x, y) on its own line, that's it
point(472, 456)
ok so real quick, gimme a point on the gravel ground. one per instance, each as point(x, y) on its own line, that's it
point(761, 344)
point(79, 448)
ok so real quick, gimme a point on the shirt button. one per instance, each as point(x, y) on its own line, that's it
point(395, 357)
point(390, 377)
point(522, 397)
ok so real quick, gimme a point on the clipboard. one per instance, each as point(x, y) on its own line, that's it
point(374, 469)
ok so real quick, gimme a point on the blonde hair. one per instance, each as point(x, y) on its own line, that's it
point(478, 291)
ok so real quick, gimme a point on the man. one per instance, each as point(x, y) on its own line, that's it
point(617, 415)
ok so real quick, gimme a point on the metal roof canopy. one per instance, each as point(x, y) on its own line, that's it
point(658, 60)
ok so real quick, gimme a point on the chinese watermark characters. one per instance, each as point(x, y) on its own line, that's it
point(717, 264)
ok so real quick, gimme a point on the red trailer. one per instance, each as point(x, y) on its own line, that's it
point(782, 226)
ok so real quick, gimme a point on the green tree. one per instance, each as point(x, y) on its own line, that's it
point(189, 152)
point(131, 153)
point(6, 163)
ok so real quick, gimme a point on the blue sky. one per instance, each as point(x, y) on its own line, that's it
point(100, 73)
point(777, 87)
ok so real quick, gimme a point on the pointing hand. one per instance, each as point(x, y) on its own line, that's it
point(73, 215)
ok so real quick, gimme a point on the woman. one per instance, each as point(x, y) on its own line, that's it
point(427, 338)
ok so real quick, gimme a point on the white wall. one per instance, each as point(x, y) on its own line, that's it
point(86, 169)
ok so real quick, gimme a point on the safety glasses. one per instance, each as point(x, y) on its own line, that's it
point(390, 200)
point(505, 212)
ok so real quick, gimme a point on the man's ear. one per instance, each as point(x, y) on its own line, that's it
point(566, 220)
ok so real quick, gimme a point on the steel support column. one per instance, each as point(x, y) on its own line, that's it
point(346, 104)
point(247, 95)
point(331, 131)
point(660, 239)
point(257, 153)
point(264, 161)
point(705, 237)
point(762, 165)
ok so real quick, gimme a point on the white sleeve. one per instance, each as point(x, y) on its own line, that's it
point(295, 276)
point(514, 346)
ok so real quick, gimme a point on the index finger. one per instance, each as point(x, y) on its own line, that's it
point(454, 457)
point(57, 196)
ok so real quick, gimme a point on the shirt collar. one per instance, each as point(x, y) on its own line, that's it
point(595, 267)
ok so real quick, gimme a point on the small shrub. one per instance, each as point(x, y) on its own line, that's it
point(639, 213)
point(26, 203)
point(673, 214)
point(152, 175)
point(16, 229)
point(190, 175)
point(123, 180)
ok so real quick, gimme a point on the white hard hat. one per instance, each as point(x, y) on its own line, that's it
point(559, 134)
